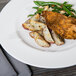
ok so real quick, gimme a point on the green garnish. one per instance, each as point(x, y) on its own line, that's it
point(69, 12)
point(35, 7)
point(40, 10)
point(65, 2)
point(42, 3)
point(30, 15)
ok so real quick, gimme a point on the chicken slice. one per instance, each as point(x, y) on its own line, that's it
point(39, 39)
point(58, 40)
point(47, 35)
point(27, 24)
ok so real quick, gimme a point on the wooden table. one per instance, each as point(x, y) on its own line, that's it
point(71, 71)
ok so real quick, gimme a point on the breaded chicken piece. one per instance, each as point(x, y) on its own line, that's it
point(61, 24)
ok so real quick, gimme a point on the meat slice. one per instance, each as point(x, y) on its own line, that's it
point(61, 24)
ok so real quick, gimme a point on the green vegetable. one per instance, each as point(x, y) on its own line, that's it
point(40, 10)
point(68, 6)
point(66, 14)
point(38, 3)
point(65, 2)
point(57, 7)
point(55, 11)
point(42, 3)
point(30, 15)
point(73, 10)
point(35, 13)
point(35, 7)
point(69, 12)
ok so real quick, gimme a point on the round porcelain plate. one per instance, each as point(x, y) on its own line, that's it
point(17, 42)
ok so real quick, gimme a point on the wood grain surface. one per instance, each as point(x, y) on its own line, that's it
point(70, 71)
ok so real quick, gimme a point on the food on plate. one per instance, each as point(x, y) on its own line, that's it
point(42, 19)
point(39, 39)
point(35, 17)
point(52, 23)
point(62, 8)
point(27, 24)
point(47, 35)
point(37, 25)
point(46, 8)
point(40, 32)
point(61, 24)
point(58, 40)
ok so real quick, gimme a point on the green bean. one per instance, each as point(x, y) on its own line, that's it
point(30, 15)
point(53, 3)
point(38, 3)
point(57, 8)
point(42, 3)
point(68, 5)
point(55, 11)
point(35, 7)
point(35, 13)
point(40, 10)
point(64, 8)
point(65, 2)
point(73, 10)
point(66, 14)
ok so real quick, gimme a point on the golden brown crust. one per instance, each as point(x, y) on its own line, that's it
point(61, 24)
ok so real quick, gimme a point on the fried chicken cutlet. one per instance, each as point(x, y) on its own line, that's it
point(61, 24)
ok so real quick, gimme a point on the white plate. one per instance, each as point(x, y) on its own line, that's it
point(17, 42)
